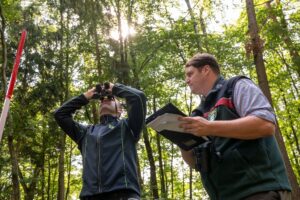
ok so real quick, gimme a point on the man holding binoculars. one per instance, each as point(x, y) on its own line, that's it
point(108, 148)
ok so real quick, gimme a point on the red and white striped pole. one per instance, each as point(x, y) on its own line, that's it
point(12, 82)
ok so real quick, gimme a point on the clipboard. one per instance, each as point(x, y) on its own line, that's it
point(165, 123)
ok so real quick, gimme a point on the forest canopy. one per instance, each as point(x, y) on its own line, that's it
point(73, 45)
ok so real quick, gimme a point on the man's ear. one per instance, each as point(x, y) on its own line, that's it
point(206, 69)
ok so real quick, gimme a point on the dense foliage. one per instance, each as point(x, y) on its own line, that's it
point(72, 45)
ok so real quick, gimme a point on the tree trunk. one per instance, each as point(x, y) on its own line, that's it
point(263, 83)
point(96, 39)
point(293, 139)
point(180, 49)
point(49, 178)
point(30, 190)
point(69, 169)
point(122, 67)
point(257, 43)
point(12, 151)
point(161, 167)
point(172, 174)
point(4, 50)
point(153, 186)
point(44, 142)
point(53, 188)
point(183, 180)
point(293, 80)
point(191, 183)
point(141, 181)
point(62, 136)
point(285, 34)
point(203, 28)
point(195, 25)
point(61, 170)
point(15, 165)
point(189, 106)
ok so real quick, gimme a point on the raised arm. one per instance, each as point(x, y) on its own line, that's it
point(136, 106)
point(63, 116)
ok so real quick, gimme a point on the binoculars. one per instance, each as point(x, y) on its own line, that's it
point(101, 92)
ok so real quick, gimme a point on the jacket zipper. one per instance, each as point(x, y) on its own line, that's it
point(123, 156)
point(99, 163)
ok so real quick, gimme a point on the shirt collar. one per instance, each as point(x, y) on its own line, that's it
point(217, 85)
point(105, 119)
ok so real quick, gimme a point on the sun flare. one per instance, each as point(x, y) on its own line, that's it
point(126, 31)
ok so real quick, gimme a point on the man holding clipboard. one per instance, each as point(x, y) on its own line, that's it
point(165, 122)
point(240, 160)
point(243, 160)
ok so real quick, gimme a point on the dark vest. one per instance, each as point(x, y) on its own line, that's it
point(236, 168)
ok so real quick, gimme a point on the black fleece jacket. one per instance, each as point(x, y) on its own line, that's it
point(109, 148)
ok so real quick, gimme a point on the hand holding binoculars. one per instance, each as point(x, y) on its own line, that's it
point(102, 91)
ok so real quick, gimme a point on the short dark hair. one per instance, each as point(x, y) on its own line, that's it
point(201, 59)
